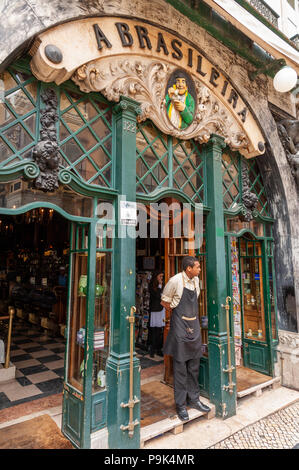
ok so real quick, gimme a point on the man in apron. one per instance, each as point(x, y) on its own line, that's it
point(183, 342)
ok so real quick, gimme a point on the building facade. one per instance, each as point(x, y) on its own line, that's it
point(88, 122)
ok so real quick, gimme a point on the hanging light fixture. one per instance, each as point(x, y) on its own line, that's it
point(285, 79)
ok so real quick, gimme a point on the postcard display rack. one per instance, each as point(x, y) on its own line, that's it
point(142, 308)
point(236, 300)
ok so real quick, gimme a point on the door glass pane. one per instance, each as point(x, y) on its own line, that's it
point(235, 224)
point(102, 320)
point(77, 320)
point(242, 248)
point(250, 246)
point(253, 301)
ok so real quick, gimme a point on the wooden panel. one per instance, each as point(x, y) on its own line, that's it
point(73, 417)
point(257, 357)
point(157, 402)
point(98, 417)
point(247, 378)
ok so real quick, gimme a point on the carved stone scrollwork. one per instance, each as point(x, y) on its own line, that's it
point(288, 131)
point(45, 153)
point(145, 80)
point(249, 199)
point(289, 339)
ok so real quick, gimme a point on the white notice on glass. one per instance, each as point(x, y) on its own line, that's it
point(128, 213)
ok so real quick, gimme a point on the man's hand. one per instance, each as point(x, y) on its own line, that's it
point(166, 305)
point(171, 92)
point(179, 106)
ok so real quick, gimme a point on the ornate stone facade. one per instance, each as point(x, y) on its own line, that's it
point(288, 355)
point(145, 81)
point(249, 199)
point(288, 130)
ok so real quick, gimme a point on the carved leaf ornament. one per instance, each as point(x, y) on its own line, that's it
point(145, 80)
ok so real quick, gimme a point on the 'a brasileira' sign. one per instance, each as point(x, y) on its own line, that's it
point(178, 88)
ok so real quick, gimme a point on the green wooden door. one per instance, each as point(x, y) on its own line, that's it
point(247, 287)
point(80, 325)
point(255, 321)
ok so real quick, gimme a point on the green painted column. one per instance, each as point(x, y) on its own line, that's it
point(220, 395)
point(118, 364)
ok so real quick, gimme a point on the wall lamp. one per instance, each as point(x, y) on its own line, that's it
point(285, 77)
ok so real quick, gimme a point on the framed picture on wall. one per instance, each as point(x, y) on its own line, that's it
point(149, 262)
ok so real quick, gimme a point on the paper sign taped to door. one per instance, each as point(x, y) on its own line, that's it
point(128, 213)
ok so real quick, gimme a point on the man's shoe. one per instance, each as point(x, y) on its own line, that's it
point(160, 353)
point(198, 405)
point(182, 413)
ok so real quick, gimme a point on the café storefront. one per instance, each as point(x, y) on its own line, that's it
point(88, 120)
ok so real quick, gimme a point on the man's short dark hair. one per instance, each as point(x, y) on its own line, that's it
point(188, 261)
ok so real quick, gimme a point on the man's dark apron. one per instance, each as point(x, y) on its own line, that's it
point(184, 339)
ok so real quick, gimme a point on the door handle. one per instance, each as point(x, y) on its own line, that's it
point(132, 400)
point(230, 386)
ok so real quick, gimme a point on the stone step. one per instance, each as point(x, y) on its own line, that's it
point(258, 389)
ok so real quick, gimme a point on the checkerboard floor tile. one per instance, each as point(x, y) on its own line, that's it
point(147, 361)
point(39, 361)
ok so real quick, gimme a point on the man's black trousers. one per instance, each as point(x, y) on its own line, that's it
point(185, 381)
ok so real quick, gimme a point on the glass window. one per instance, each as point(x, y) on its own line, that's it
point(235, 224)
point(256, 187)
point(253, 297)
point(152, 158)
point(164, 161)
point(102, 319)
point(188, 169)
point(85, 134)
point(230, 180)
point(73, 203)
point(77, 320)
point(17, 118)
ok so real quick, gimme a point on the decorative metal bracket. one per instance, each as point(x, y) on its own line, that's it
point(229, 388)
point(130, 427)
point(270, 69)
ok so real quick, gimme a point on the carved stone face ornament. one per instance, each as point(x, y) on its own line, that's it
point(146, 81)
point(249, 199)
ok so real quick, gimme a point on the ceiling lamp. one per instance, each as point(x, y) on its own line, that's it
point(285, 77)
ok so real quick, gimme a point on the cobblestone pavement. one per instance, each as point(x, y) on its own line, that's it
point(277, 431)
